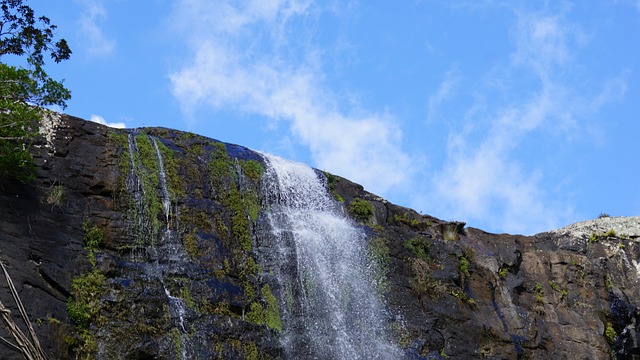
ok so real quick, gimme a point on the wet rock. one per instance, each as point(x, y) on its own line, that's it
point(449, 290)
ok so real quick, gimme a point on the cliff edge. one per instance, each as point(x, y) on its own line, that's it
point(152, 244)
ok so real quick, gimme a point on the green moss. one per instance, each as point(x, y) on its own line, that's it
point(463, 265)
point(252, 169)
point(175, 185)
point(83, 309)
point(220, 167)
point(185, 295)
point(610, 333)
point(243, 205)
point(250, 351)
point(239, 221)
point(267, 314)
point(419, 247)
point(360, 210)
point(84, 305)
point(176, 338)
point(146, 223)
point(504, 270)
point(462, 296)
point(148, 158)
point(379, 253)
point(119, 140)
point(92, 238)
point(272, 311)
point(423, 283)
point(407, 220)
point(251, 204)
point(190, 244)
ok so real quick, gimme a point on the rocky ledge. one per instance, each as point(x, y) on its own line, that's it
point(107, 270)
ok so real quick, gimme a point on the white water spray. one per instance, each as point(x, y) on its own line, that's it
point(332, 310)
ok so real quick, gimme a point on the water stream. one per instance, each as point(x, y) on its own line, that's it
point(332, 310)
point(161, 253)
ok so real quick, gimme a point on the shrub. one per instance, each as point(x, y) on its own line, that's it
point(360, 209)
point(610, 333)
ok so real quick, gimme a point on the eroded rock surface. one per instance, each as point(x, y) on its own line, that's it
point(172, 261)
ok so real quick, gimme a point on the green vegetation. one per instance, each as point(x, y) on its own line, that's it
point(55, 196)
point(223, 179)
point(539, 291)
point(450, 233)
point(252, 169)
point(332, 181)
point(85, 305)
point(504, 270)
point(175, 185)
point(405, 219)
point(24, 91)
point(93, 236)
point(463, 265)
point(267, 314)
point(250, 351)
point(610, 333)
point(608, 283)
point(400, 334)
point(462, 296)
point(423, 284)
point(419, 247)
point(190, 244)
point(379, 254)
point(176, 338)
point(360, 210)
point(145, 163)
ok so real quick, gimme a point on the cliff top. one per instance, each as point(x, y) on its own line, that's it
point(628, 226)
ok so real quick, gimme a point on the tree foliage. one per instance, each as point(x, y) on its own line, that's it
point(25, 90)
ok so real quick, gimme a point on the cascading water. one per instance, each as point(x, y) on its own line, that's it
point(173, 250)
point(332, 308)
point(163, 249)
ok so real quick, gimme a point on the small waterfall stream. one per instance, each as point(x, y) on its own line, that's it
point(162, 252)
point(173, 250)
point(332, 310)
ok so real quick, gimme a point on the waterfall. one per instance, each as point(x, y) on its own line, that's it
point(159, 251)
point(173, 249)
point(332, 309)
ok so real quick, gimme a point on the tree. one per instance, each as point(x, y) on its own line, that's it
point(24, 91)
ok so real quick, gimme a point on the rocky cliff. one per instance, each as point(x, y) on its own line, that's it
point(154, 244)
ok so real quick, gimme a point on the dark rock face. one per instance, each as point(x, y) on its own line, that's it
point(152, 244)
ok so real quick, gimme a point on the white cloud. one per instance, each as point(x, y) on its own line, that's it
point(100, 120)
point(452, 78)
point(483, 178)
point(90, 28)
point(251, 59)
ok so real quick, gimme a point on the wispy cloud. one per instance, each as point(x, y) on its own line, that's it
point(100, 120)
point(96, 42)
point(452, 78)
point(483, 178)
point(252, 58)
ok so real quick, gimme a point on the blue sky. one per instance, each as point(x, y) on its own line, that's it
point(514, 116)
